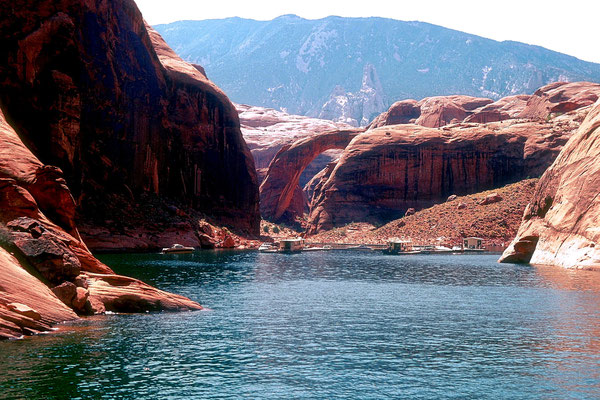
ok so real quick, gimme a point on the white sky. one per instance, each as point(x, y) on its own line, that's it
point(568, 26)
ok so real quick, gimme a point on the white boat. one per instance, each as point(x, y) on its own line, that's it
point(177, 249)
point(362, 247)
point(267, 248)
point(443, 249)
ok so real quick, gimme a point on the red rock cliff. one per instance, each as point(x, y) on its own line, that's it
point(47, 274)
point(280, 186)
point(397, 166)
point(560, 225)
point(92, 90)
point(387, 170)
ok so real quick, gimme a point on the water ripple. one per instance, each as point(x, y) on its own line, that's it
point(334, 325)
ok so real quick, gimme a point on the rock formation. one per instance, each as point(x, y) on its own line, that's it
point(385, 171)
point(432, 112)
point(281, 182)
point(548, 101)
point(267, 130)
point(94, 91)
point(395, 165)
point(356, 109)
point(506, 108)
point(443, 110)
point(401, 112)
point(47, 274)
point(361, 186)
point(560, 225)
point(558, 98)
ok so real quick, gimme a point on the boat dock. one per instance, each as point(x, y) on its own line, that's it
point(346, 246)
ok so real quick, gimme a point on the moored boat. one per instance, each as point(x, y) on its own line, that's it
point(291, 245)
point(177, 249)
point(268, 248)
point(400, 246)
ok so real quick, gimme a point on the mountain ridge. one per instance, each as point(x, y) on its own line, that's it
point(298, 65)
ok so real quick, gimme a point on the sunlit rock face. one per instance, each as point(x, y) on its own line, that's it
point(46, 271)
point(418, 153)
point(385, 171)
point(560, 225)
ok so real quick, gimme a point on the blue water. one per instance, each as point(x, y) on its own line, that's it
point(336, 325)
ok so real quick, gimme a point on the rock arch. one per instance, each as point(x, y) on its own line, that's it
point(281, 182)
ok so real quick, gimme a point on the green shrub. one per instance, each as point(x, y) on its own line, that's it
point(276, 229)
point(5, 237)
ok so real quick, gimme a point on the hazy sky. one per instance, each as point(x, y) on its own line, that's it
point(571, 26)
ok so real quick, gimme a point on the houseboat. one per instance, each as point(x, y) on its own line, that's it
point(473, 244)
point(400, 246)
point(291, 245)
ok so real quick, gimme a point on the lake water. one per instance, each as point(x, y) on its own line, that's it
point(334, 325)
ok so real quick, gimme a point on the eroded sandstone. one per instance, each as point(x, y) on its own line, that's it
point(560, 225)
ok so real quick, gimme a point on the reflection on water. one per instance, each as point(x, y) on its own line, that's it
point(328, 325)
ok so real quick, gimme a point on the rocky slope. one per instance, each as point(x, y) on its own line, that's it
point(301, 65)
point(560, 225)
point(47, 274)
point(492, 215)
point(92, 90)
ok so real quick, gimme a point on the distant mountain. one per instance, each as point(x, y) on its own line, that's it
point(351, 69)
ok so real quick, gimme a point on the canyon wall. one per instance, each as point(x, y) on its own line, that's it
point(401, 162)
point(385, 171)
point(560, 224)
point(94, 91)
point(47, 274)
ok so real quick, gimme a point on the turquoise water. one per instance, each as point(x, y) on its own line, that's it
point(336, 325)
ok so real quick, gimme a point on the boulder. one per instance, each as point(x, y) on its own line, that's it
point(24, 310)
point(490, 199)
point(80, 300)
point(66, 292)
